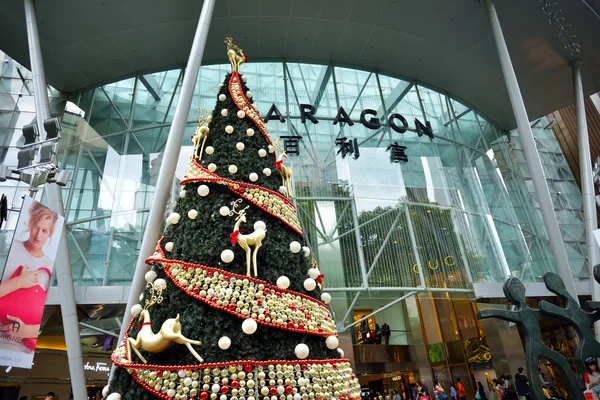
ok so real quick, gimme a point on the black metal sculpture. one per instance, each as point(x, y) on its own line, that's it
point(528, 320)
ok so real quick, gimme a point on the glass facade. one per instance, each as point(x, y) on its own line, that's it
point(461, 209)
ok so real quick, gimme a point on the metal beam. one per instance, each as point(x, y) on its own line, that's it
point(151, 85)
point(320, 86)
point(64, 274)
point(99, 330)
point(169, 162)
point(379, 310)
point(532, 157)
point(394, 98)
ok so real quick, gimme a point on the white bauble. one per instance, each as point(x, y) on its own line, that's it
point(249, 326)
point(267, 171)
point(192, 214)
point(212, 167)
point(173, 218)
point(262, 152)
point(219, 86)
point(150, 276)
point(249, 94)
point(301, 351)
point(215, 388)
point(187, 381)
point(241, 114)
point(264, 390)
point(171, 392)
point(136, 309)
point(250, 132)
point(283, 282)
point(325, 297)
point(297, 396)
point(105, 391)
point(310, 284)
point(116, 396)
point(271, 148)
point(209, 150)
point(306, 251)
point(227, 256)
point(181, 373)
point(169, 246)
point(160, 283)
point(253, 177)
point(222, 97)
point(260, 225)
point(141, 298)
point(244, 78)
point(232, 169)
point(224, 343)
point(224, 112)
point(332, 342)
point(224, 211)
point(283, 190)
point(203, 190)
point(340, 351)
point(313, 273)
point(295, 247)
point(209, 119)
point(240, 146)
point(229, 129)
point(182, 194)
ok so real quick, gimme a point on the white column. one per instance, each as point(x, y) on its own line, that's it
point(54, 197)
point(531, 154)
point(587, 183)
point(169, 161)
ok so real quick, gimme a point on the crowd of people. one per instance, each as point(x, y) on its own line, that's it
point(503, 387)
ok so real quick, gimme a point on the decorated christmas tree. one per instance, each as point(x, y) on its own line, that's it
point(234, 308)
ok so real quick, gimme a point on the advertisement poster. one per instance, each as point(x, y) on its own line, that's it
point(26, 281)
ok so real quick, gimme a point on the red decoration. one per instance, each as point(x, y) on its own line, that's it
point(320, 278)
point(234, 236)
point(224, 389)
point(273, 390)
point(204, 395)
point(278, 164)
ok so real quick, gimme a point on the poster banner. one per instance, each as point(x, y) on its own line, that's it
point(26, 281)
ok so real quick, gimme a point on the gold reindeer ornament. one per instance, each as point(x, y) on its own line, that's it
point(246, 241)
point(285, 171)
point(202, 131)
point(235, 54)
point(170, 331)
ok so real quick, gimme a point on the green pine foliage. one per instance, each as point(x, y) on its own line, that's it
point(202, 240)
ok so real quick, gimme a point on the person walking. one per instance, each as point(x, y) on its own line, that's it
point(522, 385)
point(453, 393)
point(460, 388)
point(385, 333)
point(480, 395)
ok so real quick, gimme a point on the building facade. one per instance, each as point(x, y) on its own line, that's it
point(458, 211)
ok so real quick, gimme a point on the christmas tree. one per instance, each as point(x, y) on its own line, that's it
point(233, 308)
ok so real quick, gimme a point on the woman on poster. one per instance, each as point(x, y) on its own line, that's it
point(26, 279)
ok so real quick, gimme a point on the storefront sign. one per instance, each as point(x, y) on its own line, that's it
point(25, 282)
point(448, 261)
point(368, 118)
point(96, 368)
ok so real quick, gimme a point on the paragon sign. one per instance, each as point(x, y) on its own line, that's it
point(368, 118)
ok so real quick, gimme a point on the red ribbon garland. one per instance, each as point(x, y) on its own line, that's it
point(278, 164)
point(320, 279)
point(144, 324)
point(234, 236)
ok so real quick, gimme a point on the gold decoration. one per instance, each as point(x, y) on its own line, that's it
point(245, 241)
point(284, 171)
point(235, 54)
point(170, 330)
point(202, 131)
